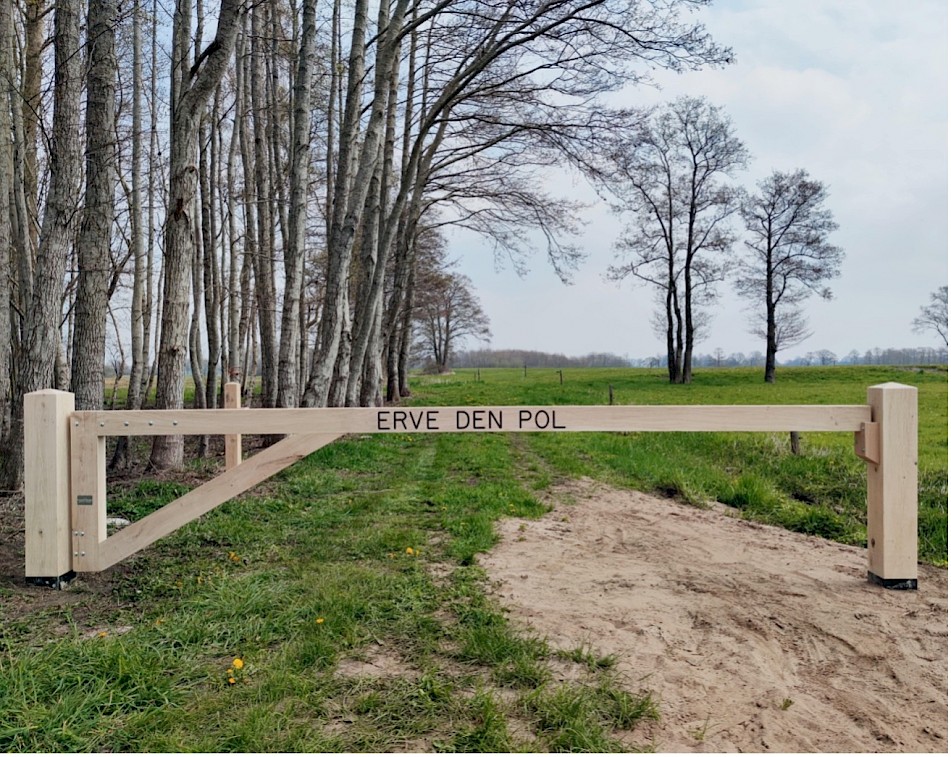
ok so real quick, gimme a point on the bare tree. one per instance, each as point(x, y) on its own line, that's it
point(790, 257)
point(41, 346)
point(95, 236)
point(447, 309)
point(668, 176)
point(288, 393)
point(192, 85)
point(934, 315)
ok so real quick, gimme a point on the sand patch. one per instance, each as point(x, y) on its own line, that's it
point(752, 638)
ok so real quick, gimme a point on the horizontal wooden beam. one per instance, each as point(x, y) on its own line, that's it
point(779, 418)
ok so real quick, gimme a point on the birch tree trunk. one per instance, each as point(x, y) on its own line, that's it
point(95, 236)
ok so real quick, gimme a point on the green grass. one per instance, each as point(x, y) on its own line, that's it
point(819, 492)
point(376, 538)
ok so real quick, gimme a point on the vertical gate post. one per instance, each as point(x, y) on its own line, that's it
point(46, 486)
point(232, 441)
point(87, 492)
point(893, 488)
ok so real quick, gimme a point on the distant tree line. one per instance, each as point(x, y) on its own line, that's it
point(875, 356)
point(536, 359)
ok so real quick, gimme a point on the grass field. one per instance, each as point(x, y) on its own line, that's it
point(340, 607)
point(820, 492)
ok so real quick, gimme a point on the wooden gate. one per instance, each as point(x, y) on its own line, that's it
point(65, 455)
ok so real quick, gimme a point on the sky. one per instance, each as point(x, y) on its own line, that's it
point(853, 91)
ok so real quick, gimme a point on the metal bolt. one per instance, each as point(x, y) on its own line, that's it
point(76, 424)
point(76, 554)
point(82, 554)
point(82, 533)
point(151, 423)
point(102, 424)
point(174, 423)
point(125, 423)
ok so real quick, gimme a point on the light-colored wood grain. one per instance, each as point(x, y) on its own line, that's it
point(209, 495)
point(893, 484)
point(868, 442)
point(46, 417)
point(232, 441)
point(87, 485)
point(781, 418)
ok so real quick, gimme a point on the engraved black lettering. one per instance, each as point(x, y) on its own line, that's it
point(432, 420)
point(539, 416)
point(524, 416)
point(381, 418)
point(462, 420)
point(478, 420)
point(495, 419)
point(399, 419)
point(554, 422)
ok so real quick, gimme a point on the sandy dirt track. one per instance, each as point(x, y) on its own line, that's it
point(751, 637)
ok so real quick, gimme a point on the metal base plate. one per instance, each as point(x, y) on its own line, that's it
point(54, 582)
point(899, 584)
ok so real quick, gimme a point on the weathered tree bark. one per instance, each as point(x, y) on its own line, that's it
point(288, 394)
point(264, 257)
point(7, 83)
point(347, 211)
point(95, 236)
point(210, 271)
point(148, 376)
point(31, 114)
point(192, 86)
point(365, 367)
point(41, 321)
point(139, 347)
point(366, 289)
point(338, 250)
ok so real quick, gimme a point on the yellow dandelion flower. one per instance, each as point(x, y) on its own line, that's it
point(232, 681)
point(319, 621)
point(230, 671)
point(237, 663)
point(103, 634)
point(409, 551)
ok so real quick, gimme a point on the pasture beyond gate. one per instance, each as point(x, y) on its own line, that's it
point(65, 457)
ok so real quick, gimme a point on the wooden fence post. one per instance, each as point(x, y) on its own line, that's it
point(46, 414)
point(232, 441)
point(87, 491)
point(893, 488)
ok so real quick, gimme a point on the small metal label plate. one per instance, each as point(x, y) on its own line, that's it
point(84, 499)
